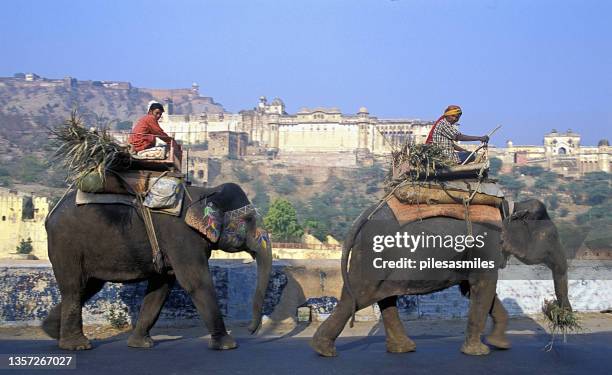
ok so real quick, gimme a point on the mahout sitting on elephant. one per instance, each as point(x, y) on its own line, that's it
point(528, 234)
point(95, 243)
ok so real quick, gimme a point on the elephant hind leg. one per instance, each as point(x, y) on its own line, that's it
point(482, 293)
point(51, 324)
point(74, 297)
point(498, 337)
point(158, 289)
point(396, 339)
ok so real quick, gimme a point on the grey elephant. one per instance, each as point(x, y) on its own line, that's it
point(92, 244)
point(528, 234)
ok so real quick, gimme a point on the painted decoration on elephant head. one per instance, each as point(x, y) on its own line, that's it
point(234, 231)
point(207, 219)
point(263, 240)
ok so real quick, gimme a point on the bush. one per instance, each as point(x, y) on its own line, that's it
point(284, 184)
point(545, 181)
point(241, 174)
point(495, 165)
point(124, 125)
point(308, 181)
point(512, 184)
point(31, 169)
point(25, 246)
point(530, 170)
point(6, 181)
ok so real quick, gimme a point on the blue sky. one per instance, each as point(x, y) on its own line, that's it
point(529, 65)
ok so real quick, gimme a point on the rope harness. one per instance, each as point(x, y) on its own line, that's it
point(159, 261)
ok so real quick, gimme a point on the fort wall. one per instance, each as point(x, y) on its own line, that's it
point(29, 291)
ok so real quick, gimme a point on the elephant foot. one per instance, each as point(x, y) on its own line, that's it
point(225, 342)
point(404, 345)
point(477, 348)
point(324, 347)
point(138, 341)
point(80, 343)
point(500, 341)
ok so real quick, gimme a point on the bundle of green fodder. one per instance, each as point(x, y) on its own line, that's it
point(560, 320)
point(86, 154)
point(415, 162)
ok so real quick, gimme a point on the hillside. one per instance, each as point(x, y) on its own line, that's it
point(28, 107)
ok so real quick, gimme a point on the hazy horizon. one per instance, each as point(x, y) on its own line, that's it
point(529, 66)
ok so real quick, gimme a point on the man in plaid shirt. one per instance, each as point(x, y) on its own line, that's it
point(444, 133)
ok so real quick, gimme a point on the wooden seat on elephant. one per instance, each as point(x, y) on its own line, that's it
point(172, 162)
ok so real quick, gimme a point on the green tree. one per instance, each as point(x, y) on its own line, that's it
point(315, 228)
point(282, 222)
point(25, 246)
point(495, 165)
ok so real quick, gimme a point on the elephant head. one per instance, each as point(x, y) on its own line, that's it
point(530, 235)
point(232, 231)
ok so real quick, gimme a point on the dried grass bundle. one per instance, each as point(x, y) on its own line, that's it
point(413, 161)
point(560, 320)
point(84, 152)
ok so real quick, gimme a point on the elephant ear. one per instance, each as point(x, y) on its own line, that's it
point(206, 218)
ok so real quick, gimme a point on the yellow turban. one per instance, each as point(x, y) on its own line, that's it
point(452, 110)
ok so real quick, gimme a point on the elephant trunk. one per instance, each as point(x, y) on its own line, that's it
point(561, 291)
point(557, 262)
point(263, 257)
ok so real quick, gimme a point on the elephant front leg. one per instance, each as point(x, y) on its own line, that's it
point(158, 289)
point(396, 339)
point(498, 336)
point(197, 281)
point(482, 293)
point(323, 341)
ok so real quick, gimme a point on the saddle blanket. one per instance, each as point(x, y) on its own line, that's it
point(128, 200)
point(478, 213)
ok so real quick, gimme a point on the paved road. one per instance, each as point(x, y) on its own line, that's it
point(583, 354)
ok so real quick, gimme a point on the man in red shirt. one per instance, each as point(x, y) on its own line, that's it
point(147, 129)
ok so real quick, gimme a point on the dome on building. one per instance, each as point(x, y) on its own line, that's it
point(277, 101)
point(363, 110)
point(603, 142)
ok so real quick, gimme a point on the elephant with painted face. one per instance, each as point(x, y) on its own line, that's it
point(95, 243)
point(528, 234)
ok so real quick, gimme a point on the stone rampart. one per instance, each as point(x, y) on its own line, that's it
point(28, 291)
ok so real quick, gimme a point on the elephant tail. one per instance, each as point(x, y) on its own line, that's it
point(346, 251)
